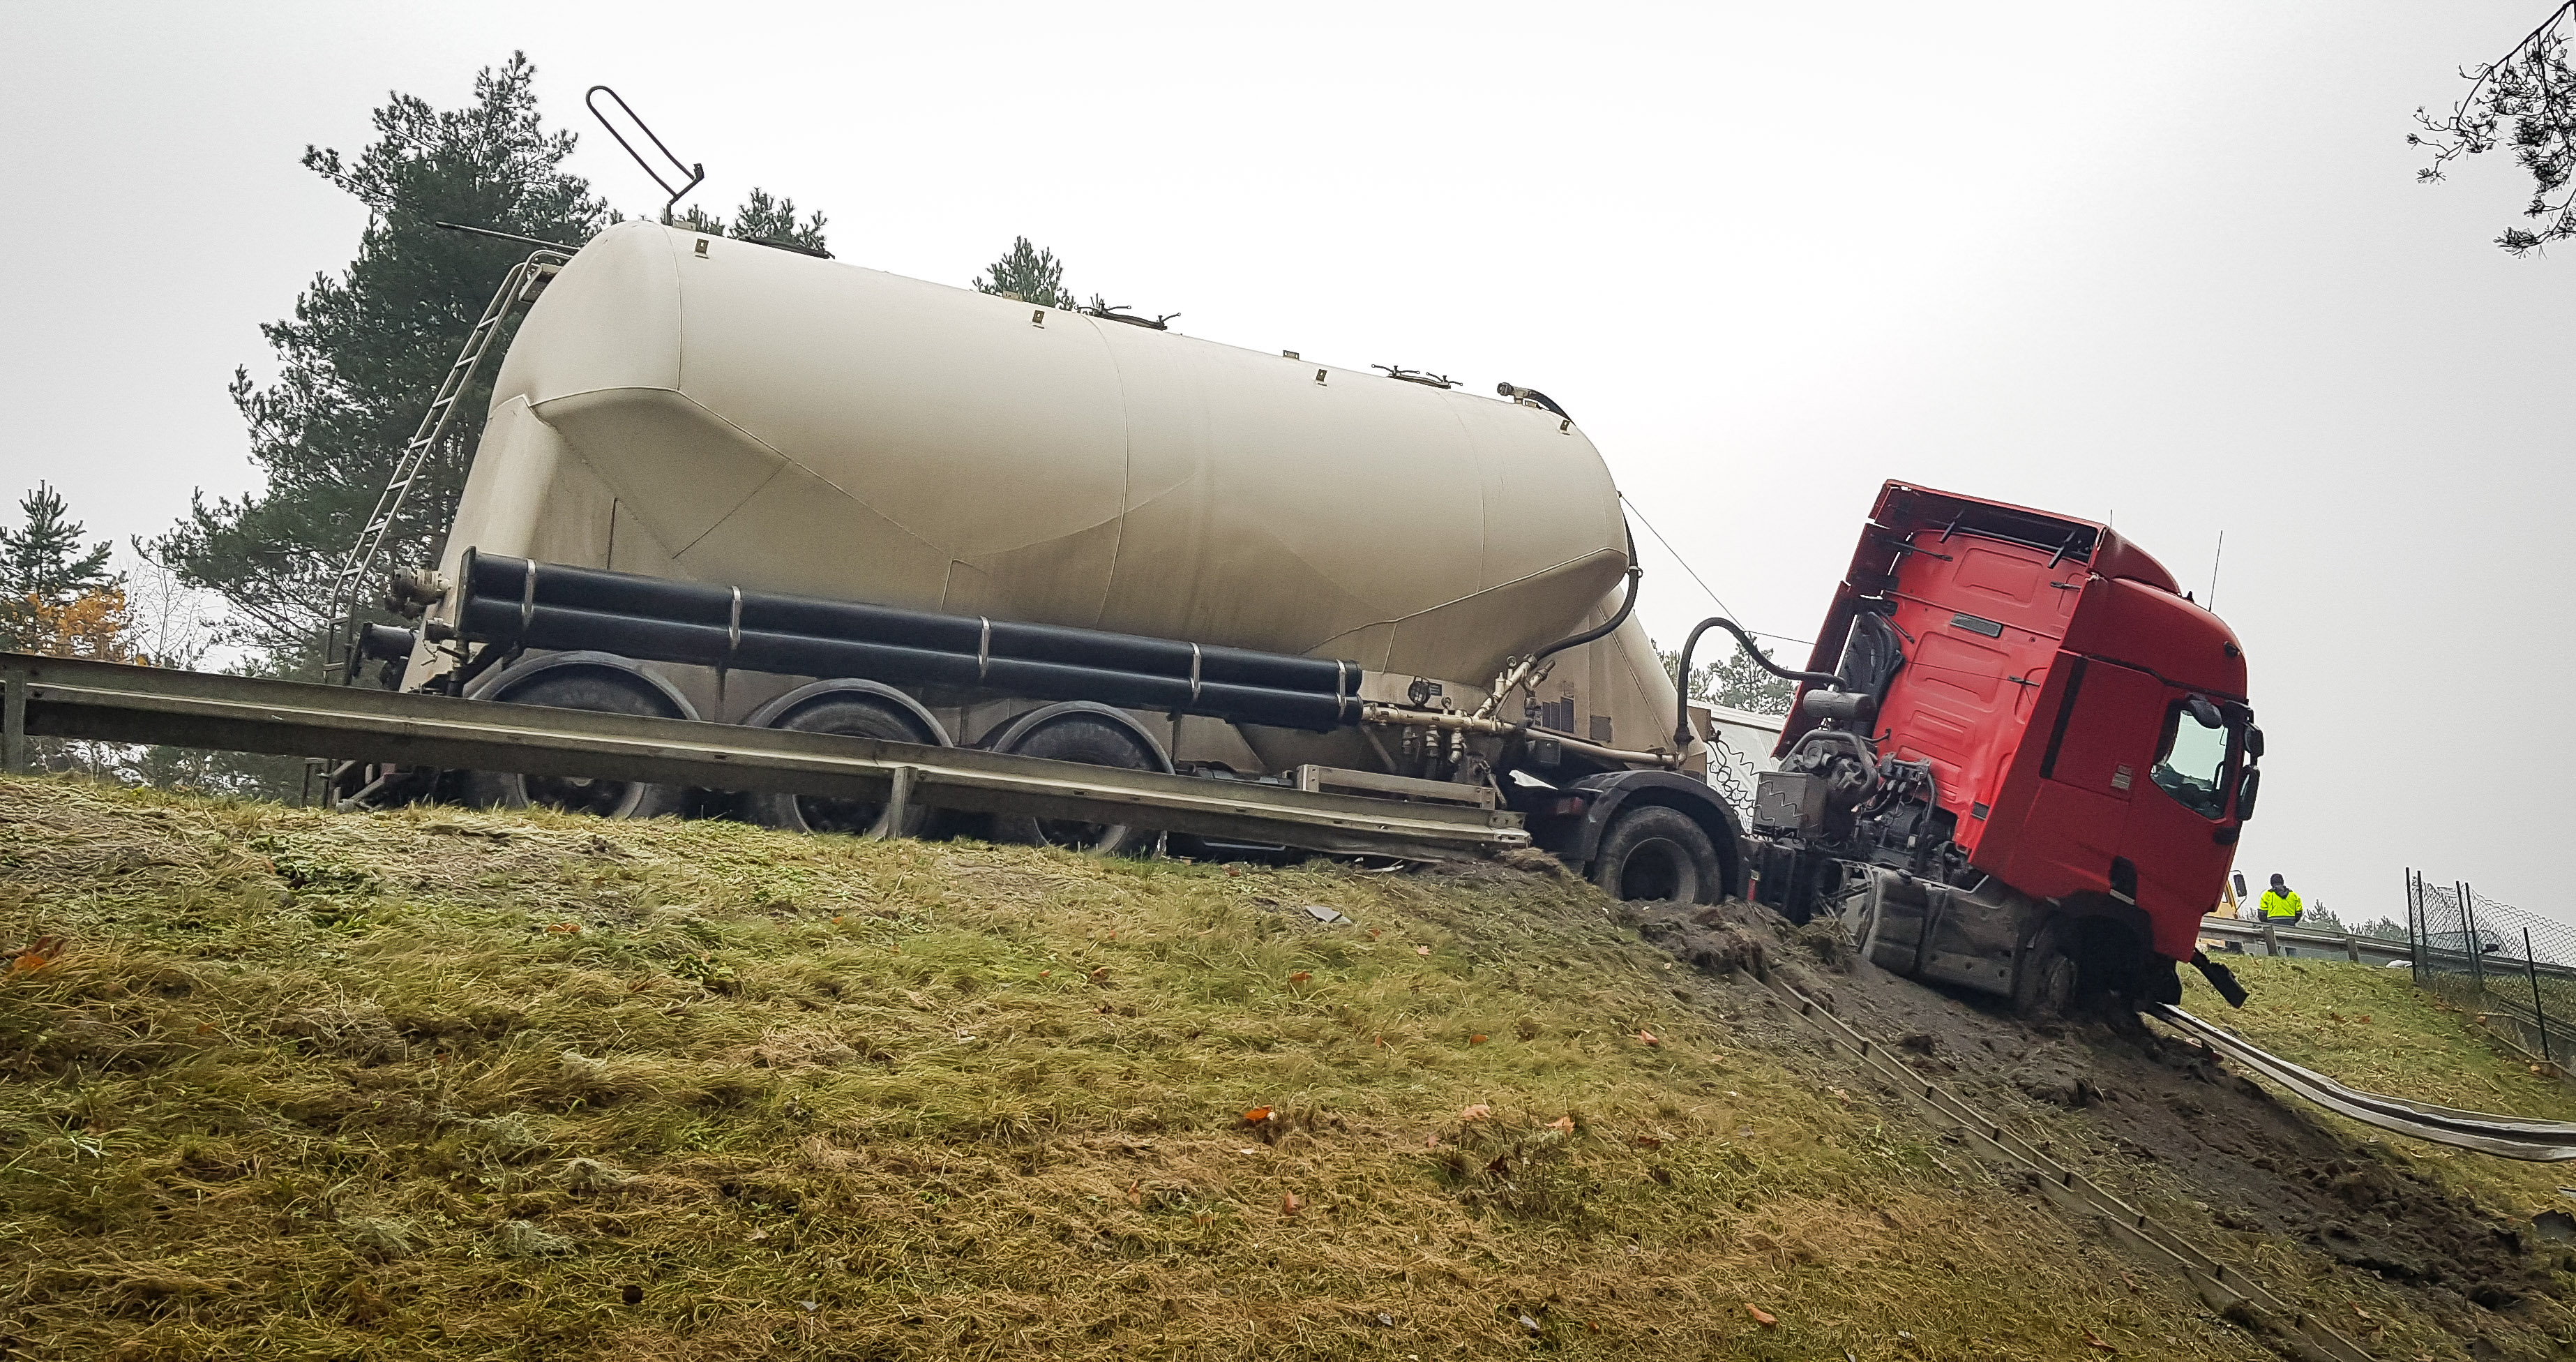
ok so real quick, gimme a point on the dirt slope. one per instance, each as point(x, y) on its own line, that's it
point(2409, 1248)
point(433, 1084)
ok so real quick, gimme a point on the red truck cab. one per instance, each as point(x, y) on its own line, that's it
point(2083, 721)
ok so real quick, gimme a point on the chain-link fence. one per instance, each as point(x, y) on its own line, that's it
point(2515, 967)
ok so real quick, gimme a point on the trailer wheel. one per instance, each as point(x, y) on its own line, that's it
point(858, 715)
point(1093, 735)
point(1655, 852)
point(583, 687)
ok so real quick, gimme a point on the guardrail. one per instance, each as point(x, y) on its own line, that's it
point(110, 702)
point(2306, 942)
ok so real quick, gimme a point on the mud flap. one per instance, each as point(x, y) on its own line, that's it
point(2220, 977)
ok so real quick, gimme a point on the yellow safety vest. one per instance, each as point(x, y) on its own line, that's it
point(2278, 904)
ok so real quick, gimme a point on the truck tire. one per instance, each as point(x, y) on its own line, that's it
point(585, 687)
point(2046, 979)
point(1654, 852)
point(1093, 736)
point(858, 715)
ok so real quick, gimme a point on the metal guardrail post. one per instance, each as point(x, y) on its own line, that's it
point(2351, 948)
point(901, 783)
point(13, 723)
point(2539, 1017)
point(2271, 938)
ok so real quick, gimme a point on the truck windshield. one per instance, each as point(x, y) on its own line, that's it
point(2191, 762)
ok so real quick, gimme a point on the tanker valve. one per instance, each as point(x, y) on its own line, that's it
point(414, 590)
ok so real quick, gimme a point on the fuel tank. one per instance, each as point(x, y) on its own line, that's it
point(702, 408)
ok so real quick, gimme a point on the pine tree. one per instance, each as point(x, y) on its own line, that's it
point(1740, 683)
point(1029, 275)
point(761, 218)
point(44, 572)
point(1737, 683)
point(365, 351)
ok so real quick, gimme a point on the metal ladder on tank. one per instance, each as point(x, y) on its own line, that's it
point(519, 288)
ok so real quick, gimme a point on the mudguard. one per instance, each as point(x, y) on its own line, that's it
point(498, 685)
point(1579, 839)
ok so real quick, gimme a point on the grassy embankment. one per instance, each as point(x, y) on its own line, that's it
point(435, 1084)
point(2371, 1028)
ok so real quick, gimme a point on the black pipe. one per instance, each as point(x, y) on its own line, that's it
point(495, 579)
point(1681, 712)
point(1635, 576)
point(680, 625)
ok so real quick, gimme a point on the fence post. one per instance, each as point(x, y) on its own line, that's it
point(2414, 923)
point(2469, 929)
point(2351, 947)
point(2271, 941)
point(2537, 1015)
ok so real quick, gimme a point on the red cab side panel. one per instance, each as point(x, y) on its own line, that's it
point(1981, 620)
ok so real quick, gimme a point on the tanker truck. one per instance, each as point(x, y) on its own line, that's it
point(727, 482)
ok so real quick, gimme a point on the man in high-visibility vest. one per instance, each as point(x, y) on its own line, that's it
point(2280, 905)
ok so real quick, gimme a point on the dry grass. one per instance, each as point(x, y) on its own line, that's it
point(436, 1084)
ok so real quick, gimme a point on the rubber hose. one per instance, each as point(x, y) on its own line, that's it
point(1635, 575)
point(1681, 711)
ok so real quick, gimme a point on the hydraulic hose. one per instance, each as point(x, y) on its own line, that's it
point(1520, 394)
point(1681, 707)
point(1635, 575)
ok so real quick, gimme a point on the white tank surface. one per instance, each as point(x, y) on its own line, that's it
point(690, 406)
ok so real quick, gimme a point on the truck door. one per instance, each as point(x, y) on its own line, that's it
point(2181, 834)
point(2065, 811)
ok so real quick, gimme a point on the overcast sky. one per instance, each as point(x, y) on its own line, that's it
point(2165, 263)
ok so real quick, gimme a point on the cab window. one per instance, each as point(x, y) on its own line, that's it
point(2192, 760)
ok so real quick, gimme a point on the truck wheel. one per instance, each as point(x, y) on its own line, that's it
point(858, 716)
point(593, 688)
point(1091, 738)
point(1654, 852)
point(2044, 984)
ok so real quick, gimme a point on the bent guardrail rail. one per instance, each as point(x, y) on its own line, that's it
point(2511, 1137)
point(112, 702)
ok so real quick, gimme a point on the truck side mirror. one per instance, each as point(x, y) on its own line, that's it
point(2239, 877)
point(2245, 792)
point(2253, 742)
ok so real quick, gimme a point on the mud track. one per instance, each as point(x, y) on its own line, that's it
point(2158, 1118)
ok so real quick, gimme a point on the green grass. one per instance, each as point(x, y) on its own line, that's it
point(426, 1083)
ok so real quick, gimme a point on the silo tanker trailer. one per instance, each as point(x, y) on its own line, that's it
point(729, 482)
point(724, 481)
